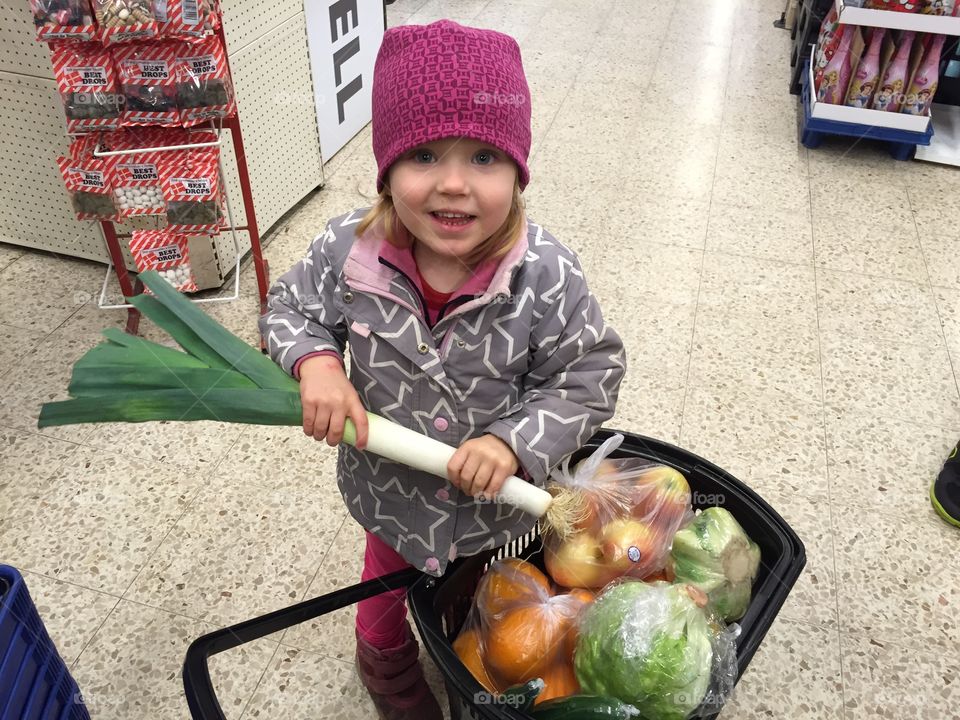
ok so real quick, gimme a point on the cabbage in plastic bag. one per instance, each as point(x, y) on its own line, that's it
point(655, 646)
point(715, 554)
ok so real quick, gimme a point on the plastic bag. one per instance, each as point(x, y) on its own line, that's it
point(87, 181)
point(136, 185)
point(63, 20)
point(149, 83)
point(166, 252)
point(125, 20)
point(204, 87)
point(191, 190)
point(657, 647)
point(187, 18)
point(519, 629)
point(88, 86)
point(615, 518)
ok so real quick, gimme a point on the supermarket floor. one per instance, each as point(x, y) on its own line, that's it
point(793, 316)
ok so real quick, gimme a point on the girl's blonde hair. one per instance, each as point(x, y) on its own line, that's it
point(494, 247)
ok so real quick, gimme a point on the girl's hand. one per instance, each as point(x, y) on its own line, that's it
point(328, 399)
point(480, 466)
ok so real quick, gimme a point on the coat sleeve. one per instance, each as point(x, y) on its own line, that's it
point(577, 363)
point(301, 318)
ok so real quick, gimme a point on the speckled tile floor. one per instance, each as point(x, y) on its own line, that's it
point(773, 326)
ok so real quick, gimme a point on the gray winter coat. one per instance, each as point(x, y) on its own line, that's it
point(522, 352)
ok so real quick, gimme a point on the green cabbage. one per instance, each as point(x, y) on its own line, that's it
point(715, 554)
point(647, 644)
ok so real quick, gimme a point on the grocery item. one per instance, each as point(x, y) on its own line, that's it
point(584, 707)
point(166, 252)
point(186, 18)
point(468, 649)
point(864, 82)
point(716, 555)
point(204, 87)
point(148, 82)
point(88, 86)
point(125, 20)
point(63, 20)
point(654, 646)
point(191, 190)
point(622, 515)
point(522, 697)
point(827, 42)
point(906, 6)
point(87, 182)
point(923, 85)
point(938, 7)
point(836, 73)
point(889, 95)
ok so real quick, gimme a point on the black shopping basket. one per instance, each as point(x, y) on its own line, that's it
point(439, 606)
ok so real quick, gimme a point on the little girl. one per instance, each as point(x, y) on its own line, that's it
point(465, 320)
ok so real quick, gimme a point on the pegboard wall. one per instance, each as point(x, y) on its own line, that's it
point(271, 72)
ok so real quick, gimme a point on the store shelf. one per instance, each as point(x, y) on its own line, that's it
point(937, 24)
point(945, 146)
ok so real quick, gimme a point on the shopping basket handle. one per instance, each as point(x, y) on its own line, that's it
point(402, 445)
point(197, 687)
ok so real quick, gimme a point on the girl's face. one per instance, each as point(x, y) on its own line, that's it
point(468, 178)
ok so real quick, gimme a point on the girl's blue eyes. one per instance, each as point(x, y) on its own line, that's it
point(482, 157)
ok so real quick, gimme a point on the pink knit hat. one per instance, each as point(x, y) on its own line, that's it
point(444, 80)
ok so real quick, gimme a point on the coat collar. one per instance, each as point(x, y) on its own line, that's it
point(363, 264)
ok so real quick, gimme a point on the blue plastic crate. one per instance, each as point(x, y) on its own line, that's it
point(34, 681)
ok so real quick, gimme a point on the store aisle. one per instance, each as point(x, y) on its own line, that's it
point(793, 316)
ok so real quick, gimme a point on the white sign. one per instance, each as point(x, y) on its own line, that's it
point(343, 37)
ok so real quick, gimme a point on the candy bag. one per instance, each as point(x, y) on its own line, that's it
point(149, 83)
point(87, 181)
point(63, 20)
point(88, 86)
point(136, 184)
point(204, 87)
point(191, 189)
point(614, 517)
point(187, 18)
point(166, 252)
point(125, 20)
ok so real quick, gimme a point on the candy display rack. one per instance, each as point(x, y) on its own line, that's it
point(130, 286)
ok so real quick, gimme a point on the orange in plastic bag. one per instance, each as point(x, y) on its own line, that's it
point(467, 647)
point(530, 633)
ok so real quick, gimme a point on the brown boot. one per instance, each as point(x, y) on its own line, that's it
point(394, 679)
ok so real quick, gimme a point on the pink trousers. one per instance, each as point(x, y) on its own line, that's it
point(381, 619)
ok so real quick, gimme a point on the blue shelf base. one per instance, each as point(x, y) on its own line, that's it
point(902, 143)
